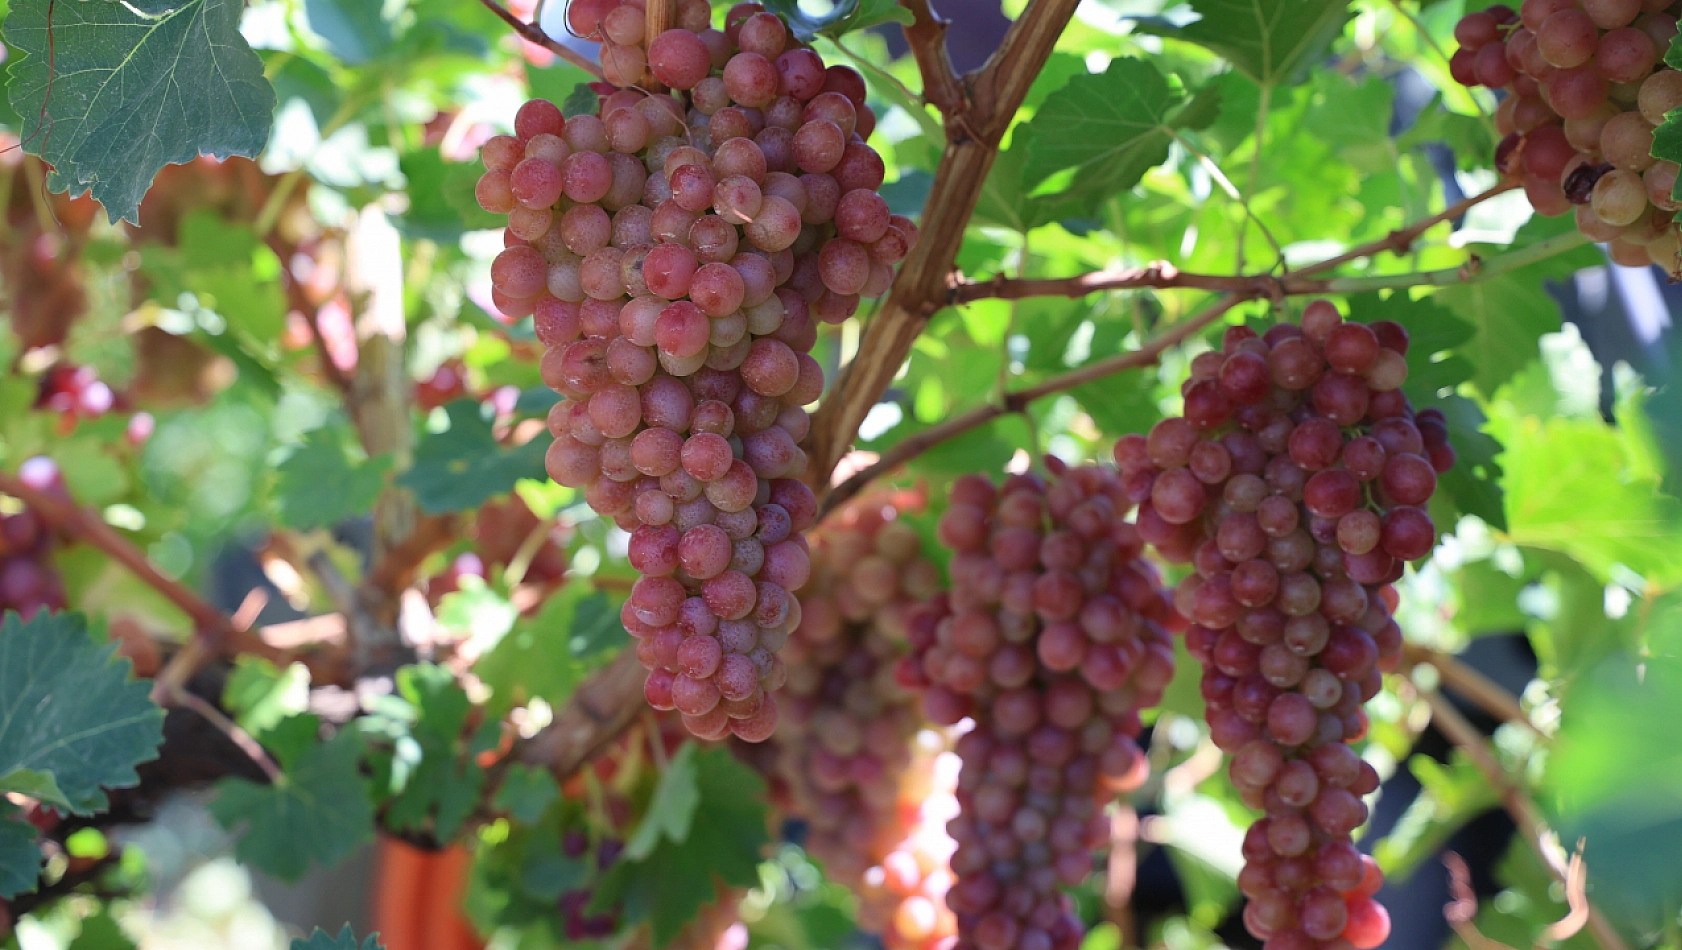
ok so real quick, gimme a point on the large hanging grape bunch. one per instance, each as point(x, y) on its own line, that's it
point(675, 252)
point(1295, 484)
point(1586, 86)
point(857, 757)
point(1052, 639)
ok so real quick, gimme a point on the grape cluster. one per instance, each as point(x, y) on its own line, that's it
point(1586, 86)
point(29, 581)
point(675, 266)
point(858, 761)
point(41, 253)
point(1294, 483)
point(1053, 637)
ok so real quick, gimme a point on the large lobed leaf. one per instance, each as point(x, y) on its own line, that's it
point(677, 877)
point(319, 485)
point(318, 813)
point(1271, 41)
point(110, 92)
point(463, 467)
point(1107, 129)
point(72, 721)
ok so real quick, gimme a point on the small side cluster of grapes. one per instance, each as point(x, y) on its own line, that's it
point(675, 266)
point(857, 758)
point(576, 920)
point(1586, 86)
point(41, 267)
point(1295, 483)
point(1053, 637)
point(29, 581)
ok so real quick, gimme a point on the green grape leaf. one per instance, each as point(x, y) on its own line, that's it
point(68, 708)
point(441, 199)
point(1473, 485)
point(111, 92)
point(1487, 598)
point(346, 940)
point(1613, 774)
point(40, 786)
point(1570, 488)
point(260, 696)
point(1667, 138)
point(672, 810)
point(678, 877)
point(1510, 312)
point(1270, 41)
point(20, 858)
point(317, 814)
point(444, 785)
point(319, 485)
point(582, 100)
point(1109, 128)
point(526, 792)
point(547, 656)
point(846, 17)
point(463, 467)
point(101, 932)
point(226, 269)
point(354, 31)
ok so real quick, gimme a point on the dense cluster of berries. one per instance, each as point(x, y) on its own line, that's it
point(1053, 637)
point(1586, 85)
point(857, 759)
point(29, 581)
point(675, 252)
point(1295, 484)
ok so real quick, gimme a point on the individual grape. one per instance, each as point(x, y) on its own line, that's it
point(1660, 93)
point(679, 59)
point(1626, 55)
point(1619, 198)
point(1567, 39)
point(1627, 142)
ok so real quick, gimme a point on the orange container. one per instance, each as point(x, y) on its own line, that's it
point(417, 898)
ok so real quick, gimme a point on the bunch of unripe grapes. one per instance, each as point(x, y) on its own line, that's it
point(1053, 637)
point(1585, 85)
point(29, 581)
point(1295, 484)
point(676, 253)
point(858, 760)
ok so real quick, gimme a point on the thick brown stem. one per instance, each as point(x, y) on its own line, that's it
point(927, 38)
point(922, 285)
point(215, 634)
point(1015, 401)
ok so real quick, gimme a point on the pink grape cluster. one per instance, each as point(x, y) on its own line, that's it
point(1053, 637)
point(1294, 483)
point(1586, 86)
point(857, 758)
point(676, 252)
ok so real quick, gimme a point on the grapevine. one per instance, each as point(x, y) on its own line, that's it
point(1052, 639)
point(861, 765)
point(1586, 86)
point(676, 266)
point(1294, 484)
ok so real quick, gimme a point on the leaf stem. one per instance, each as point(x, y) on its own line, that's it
point(179, 696)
